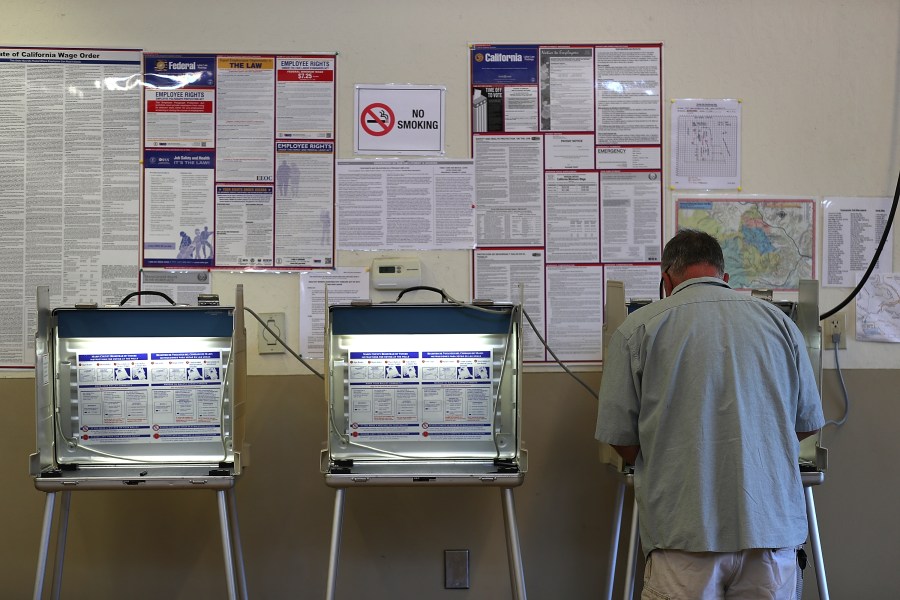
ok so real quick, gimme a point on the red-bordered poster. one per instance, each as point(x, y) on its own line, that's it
point(567, 144)
point(239, 155)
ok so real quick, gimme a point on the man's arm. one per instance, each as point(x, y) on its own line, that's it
point(629, 453)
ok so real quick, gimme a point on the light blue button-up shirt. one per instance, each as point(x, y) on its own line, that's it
point(713, 385)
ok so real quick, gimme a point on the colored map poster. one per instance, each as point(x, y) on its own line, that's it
point(768, 243)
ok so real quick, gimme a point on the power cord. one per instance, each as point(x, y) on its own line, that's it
point(283, 343)
point(836, 339)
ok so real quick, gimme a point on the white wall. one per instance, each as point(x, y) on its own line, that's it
point(818, 80)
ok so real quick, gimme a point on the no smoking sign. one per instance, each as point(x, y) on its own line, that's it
point(377, 119)
point(399, 119)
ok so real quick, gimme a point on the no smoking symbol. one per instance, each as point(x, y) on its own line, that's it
point(377, 119)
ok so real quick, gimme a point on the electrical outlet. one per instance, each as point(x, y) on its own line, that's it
point(456, 569)
point(835, 324)
point(266, 342)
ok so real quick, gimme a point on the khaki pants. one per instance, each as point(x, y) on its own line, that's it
point(755, 574)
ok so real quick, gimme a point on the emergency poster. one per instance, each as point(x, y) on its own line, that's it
point(150, 397)
point(420, 395)
point(239, 155)
point(567, 144)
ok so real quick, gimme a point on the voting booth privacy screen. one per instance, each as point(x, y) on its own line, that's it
point(152, 385)
point(432, 384)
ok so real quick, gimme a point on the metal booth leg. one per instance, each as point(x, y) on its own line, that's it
point(614, 540)
point(226, 544)
point(62, 529)
point(632, 555)
point(335, 542)
point(45, 545)
point(816, 543)
point(236, 543)
point(516, 573)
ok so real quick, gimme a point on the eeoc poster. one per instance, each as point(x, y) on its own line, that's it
point(567, 144)
point(239, 155)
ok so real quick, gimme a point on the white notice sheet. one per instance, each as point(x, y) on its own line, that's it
point(631, 216)
point(506, 276)
point(569, 151)
point(405, 205)
point(628, 94)
point(575, 312)
point(509, 181)
point(641, 281)
point(520, 108)
point(706, 144)
point(343, 285)
point(573, 217)
point(853, 228)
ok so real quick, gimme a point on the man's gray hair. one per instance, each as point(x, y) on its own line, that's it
point(691, 247)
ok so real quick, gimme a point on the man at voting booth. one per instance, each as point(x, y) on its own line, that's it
point(707, 393)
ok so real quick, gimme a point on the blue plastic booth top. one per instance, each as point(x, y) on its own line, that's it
point(145, 322)
point(418, 318)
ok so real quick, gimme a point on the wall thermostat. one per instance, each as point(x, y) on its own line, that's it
point(396, 273)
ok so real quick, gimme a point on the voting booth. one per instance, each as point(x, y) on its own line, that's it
point(131, 398)
point(424, 395)
point(813, 459)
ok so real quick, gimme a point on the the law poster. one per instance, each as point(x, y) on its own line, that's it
point(239, 157)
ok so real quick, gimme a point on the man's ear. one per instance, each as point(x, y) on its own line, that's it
point(725, 277)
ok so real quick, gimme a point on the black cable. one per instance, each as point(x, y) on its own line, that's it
point(447, 298)
point(865, 277)
point(592, 392)
point(146, 293)
point(427, 288)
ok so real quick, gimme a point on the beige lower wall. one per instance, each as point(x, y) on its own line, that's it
point(166, 544)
